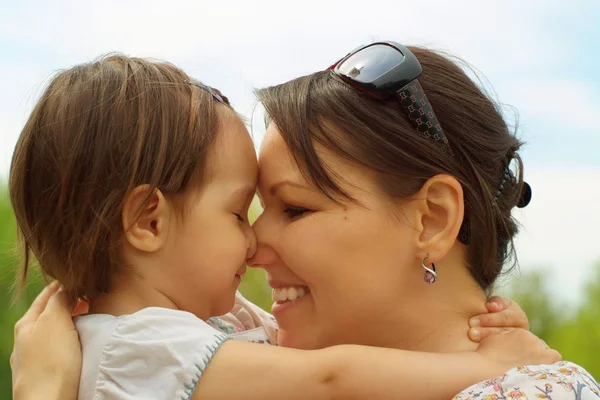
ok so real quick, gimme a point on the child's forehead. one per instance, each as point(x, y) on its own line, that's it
point(233, 156)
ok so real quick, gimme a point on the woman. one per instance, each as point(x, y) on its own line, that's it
point(388, 200)
point(380, 226)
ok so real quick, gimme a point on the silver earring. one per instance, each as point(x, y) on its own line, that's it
point(430, 274)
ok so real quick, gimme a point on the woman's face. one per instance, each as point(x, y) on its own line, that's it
point(354, 262)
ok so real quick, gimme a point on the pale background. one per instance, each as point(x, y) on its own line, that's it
point(541, 57)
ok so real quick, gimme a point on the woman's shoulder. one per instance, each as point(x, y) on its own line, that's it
point(560, 381)
point(153, 353)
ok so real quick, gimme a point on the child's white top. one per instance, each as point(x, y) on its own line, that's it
point(157, 353)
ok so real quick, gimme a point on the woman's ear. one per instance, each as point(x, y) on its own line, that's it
point(145, 217)
point(440, 215)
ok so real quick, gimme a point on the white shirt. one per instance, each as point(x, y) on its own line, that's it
point(159, 353)
point(155, 353)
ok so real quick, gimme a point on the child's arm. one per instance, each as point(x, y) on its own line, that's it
point(504, 314)
point(241, 370)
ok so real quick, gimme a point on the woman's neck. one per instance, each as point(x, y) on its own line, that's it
point(434, 317)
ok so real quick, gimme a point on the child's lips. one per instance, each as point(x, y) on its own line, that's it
point(241, 272)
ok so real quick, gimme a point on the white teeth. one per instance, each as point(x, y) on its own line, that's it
point(277, 295)
point(284, 294)
point(292, 293)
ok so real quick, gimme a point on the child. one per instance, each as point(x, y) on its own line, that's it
point(131, 185)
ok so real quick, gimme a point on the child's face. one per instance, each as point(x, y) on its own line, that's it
point(207, 250)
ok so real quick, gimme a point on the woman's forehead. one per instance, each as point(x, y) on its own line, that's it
point(274, 157)
point(276, 164)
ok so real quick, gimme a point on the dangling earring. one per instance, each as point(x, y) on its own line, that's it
point(430, 274)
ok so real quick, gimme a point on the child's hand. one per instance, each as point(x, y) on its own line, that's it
point(504, 314)
point(46, 358)
point(517, 347)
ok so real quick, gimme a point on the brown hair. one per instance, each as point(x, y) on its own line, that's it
point(99, 130)
point(378, 135)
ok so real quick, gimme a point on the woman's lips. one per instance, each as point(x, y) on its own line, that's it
point(287, 297)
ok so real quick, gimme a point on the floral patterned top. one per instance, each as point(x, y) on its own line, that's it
point(560, 381)
point(247, 322)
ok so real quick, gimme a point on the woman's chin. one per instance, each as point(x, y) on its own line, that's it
point(285, 339)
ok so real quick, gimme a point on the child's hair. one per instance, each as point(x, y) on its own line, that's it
point(99, 130)
point(378, 135)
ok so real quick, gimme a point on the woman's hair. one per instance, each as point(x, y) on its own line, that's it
point(98, 131)
point(321, 108)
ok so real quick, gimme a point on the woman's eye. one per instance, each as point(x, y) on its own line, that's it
point(294, 212)
point(240, 218)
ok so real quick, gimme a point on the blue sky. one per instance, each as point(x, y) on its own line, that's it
point(540, 57)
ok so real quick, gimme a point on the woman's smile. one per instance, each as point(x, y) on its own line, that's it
point(286, 296)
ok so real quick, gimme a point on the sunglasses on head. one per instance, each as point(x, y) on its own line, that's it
point(386, 69)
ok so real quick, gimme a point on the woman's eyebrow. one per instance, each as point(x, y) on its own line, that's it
point(275, 187)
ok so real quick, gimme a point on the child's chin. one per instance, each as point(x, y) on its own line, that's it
point(225, 305)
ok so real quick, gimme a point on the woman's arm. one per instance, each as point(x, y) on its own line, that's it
point(241, 370)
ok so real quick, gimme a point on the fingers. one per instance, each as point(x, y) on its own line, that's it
point(497, 303)
point(502, 319)
point(59, 303)
point(512, 317)
point(479, 333)
point(38, 305)
point(59, 307)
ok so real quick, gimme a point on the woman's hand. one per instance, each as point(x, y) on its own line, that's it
point(46, 358)
point(504, 315)
point(517, 347)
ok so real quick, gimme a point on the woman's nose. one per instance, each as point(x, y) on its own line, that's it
point(263, 257)
point(251, 245)
point(266, 233)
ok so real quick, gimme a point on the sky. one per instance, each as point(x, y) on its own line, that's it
point(539, 58)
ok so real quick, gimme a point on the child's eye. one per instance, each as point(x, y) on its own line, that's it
point(294, 212)
point(240, 218)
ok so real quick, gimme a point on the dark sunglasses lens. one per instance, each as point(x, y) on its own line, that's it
point(370, 63)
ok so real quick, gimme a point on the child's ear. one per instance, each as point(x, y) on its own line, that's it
point(145, 218)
